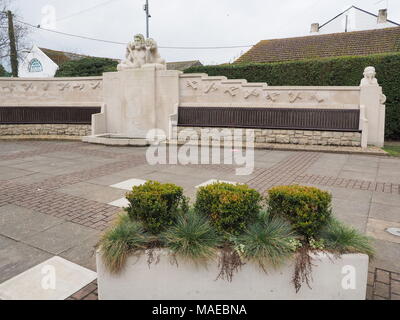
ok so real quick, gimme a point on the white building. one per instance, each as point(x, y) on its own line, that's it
point(36, 64)
point(43, 63)
point(354, 19)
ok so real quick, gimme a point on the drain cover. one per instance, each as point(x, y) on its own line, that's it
point(394, 231)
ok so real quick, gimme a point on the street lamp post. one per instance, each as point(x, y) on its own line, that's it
point(148, 16)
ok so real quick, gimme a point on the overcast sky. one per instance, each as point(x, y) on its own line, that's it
point(185, 23)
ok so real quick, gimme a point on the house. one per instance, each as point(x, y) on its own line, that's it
point(43, 63)
point(354, 19)
point(381, 37)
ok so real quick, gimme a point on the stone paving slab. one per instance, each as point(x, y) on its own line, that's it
point(60, 238)
point(20, 223)
point(31, 285)
point(7, 173)
point(18, 257)
point(84, 253)
point(103, 194)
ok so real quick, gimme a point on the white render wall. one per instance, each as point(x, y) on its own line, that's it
point(52, 92)
point(333, 279)
point(49, 66)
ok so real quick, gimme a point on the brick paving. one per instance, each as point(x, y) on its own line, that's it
point(88, 292)
point(349, 183)
point(45, 196)
point(383, 285)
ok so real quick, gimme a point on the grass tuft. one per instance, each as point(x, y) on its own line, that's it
point(192, 237)
point(343, 239)
point(269, 241)
point(123, 239)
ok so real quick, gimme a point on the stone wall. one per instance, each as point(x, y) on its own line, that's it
point(303, 137)
point(75, 130)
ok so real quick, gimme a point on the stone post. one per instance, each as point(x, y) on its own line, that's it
point(372, 98)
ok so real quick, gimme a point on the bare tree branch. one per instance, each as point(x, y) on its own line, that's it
point(21, 32)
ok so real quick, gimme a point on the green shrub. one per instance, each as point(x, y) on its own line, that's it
point(156, 205)
point(339, 71)
point(230, 208)
point(123, 239)
point(86, 67)
point(343, 239)
point(268, 241)
point(307, 208)
point(192, 237)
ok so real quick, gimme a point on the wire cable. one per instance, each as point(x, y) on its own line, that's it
point(123, 43)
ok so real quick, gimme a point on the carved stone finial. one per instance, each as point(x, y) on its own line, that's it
point(369, 77)
point(141, 52)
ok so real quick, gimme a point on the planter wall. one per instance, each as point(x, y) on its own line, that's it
point(167, 281)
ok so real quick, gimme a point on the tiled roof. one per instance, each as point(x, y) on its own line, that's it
point(183, 65)
point(59, 57)
point(330, 45)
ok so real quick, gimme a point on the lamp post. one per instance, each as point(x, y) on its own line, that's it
point(148, 16)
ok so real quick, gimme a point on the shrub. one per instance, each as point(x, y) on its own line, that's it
point(307, 208)
point(123, 239)
point(192, 237)
point(156, 205)
point(86, 67)
point(268, 241)
point(230, 208)
point(338, 71)
point(343, 239)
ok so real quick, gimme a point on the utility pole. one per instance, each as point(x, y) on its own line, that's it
point(148, 16)
point(13, 46)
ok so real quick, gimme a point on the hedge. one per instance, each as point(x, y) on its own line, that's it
point(86, 67)
point(340, 71)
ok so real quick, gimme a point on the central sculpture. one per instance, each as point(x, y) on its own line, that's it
point(141, 52)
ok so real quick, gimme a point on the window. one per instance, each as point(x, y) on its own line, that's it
point(35, 66)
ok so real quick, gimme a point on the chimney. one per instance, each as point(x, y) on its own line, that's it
point(382, 16)
point(315, 28)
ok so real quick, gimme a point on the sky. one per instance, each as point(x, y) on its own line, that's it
point(182, 23)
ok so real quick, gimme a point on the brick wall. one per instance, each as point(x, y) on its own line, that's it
point(44, 130)
point(303, 137)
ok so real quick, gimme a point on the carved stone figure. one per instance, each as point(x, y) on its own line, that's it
point(141, 52)
point(152, 55)
point(369, 77)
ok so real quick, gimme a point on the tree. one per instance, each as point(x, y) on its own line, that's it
point(2, 71)
point(86, 67)
point(20, 33)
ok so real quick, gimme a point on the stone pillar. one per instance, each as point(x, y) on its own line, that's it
point(139, 100)
point(372, 98)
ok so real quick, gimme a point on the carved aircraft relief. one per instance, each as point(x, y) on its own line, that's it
point(95, 85)
point(27, 86)
point(272, 96)
point(293, 97)
point(232, 91)
point(316, 97)
point(192, 84)
point(253, 92)
point(211, 87)
point(79, 86)
point(63, 86)
point(9, 88)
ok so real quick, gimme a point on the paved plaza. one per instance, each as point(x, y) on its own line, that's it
point(57, 197)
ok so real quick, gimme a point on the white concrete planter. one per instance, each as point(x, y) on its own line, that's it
point(340, 279)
